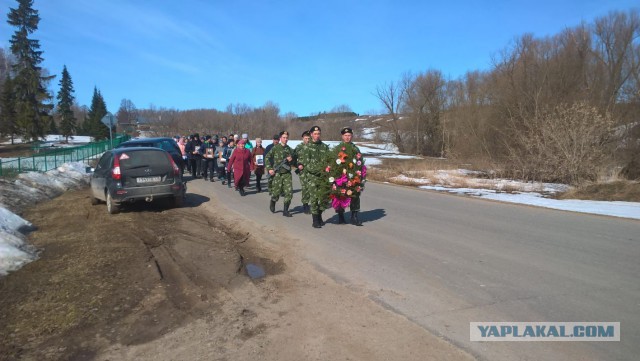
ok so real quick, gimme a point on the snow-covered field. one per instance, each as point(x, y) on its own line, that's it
point(14, 252)
point(58, 140)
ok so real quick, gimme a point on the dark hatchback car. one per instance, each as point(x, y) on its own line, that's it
point(127, 175)
point(164, 143)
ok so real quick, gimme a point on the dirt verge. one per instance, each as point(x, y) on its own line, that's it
point(154, 283)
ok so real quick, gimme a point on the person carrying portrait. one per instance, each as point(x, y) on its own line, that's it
point(257, 163)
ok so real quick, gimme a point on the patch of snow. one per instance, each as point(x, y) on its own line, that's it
point(58, 139)
point(616, 209)
point(368, 133)
point(373, 161)
point(30, 188)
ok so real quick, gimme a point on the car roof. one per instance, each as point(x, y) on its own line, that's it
point(136, 149)
point(147, 140)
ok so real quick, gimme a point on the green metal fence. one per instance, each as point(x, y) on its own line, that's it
point(51, 159)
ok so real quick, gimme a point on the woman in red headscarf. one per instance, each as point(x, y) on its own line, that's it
point(240, 161)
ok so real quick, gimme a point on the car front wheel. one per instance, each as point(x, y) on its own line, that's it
point(112, 206)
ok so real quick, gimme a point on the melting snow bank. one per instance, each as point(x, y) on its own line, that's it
point(29, 189)
point(616, 209)
point(13, 251)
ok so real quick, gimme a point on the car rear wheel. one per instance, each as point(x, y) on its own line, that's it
point(178, 201)
point(112, 206)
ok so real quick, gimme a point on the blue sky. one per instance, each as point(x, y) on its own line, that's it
point(305, 56)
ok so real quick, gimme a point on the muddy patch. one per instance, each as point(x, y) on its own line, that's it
point(127, 279)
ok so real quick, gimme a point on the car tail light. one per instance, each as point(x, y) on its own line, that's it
point(176, 170)
point(115, 172)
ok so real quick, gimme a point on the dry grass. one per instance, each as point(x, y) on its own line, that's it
point(428, 171)
point(416, 172)
point(628, 191)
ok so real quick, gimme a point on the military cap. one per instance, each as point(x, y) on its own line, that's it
point(283, 133)
point(306, 134)
point(346, 130)
point(314, 128)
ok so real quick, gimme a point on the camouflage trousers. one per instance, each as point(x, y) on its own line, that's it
point(318, 193)
point(281, 184)
point(304, 184)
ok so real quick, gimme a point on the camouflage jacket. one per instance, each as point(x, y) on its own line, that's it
point(314, 157)
point(298, 154)
point(276, 156)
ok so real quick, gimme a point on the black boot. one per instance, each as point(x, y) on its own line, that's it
point(306, 208)
point(285, 212)
point(341, 219)
point(322, 223)
point(242, 193)
point(272, 206)
point(354, 218)
point(316, 221)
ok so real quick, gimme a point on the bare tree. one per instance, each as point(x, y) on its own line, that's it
point(392, 96)
point(566, 144)
point(425, 100)
point(127, 115)
point(616, 49)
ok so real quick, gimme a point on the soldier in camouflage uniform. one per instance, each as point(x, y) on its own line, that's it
point(313, 160)
point(279, 162)
point(352, 152)
point(299, 158)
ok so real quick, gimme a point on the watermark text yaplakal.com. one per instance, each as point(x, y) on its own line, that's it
point(544, 331)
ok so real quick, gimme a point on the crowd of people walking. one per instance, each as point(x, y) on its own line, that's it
point(329, 177)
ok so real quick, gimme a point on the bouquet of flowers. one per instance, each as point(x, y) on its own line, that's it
point(346, 173)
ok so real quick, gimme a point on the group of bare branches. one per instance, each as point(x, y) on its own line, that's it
point(263, 121)
point(560, 108)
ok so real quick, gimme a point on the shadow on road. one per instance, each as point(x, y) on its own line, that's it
point(372, 215)
point(193, 200)
point(365, 216)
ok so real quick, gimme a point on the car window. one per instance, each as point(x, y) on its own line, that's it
point(104, 162)
point(169, 146)
point(144, 158)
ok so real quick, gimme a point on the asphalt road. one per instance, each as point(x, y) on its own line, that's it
point(443, 261)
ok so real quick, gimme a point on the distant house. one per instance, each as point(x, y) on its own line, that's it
point(130, 126)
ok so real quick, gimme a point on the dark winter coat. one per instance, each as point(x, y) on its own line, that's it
point(257, 169)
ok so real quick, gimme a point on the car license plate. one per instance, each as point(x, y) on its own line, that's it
point(148, 179)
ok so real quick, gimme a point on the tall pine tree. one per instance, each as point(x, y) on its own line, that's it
point(93, 125)
point(53, 128)
point(65, 101)
point(7, 110)
point(32, 109)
